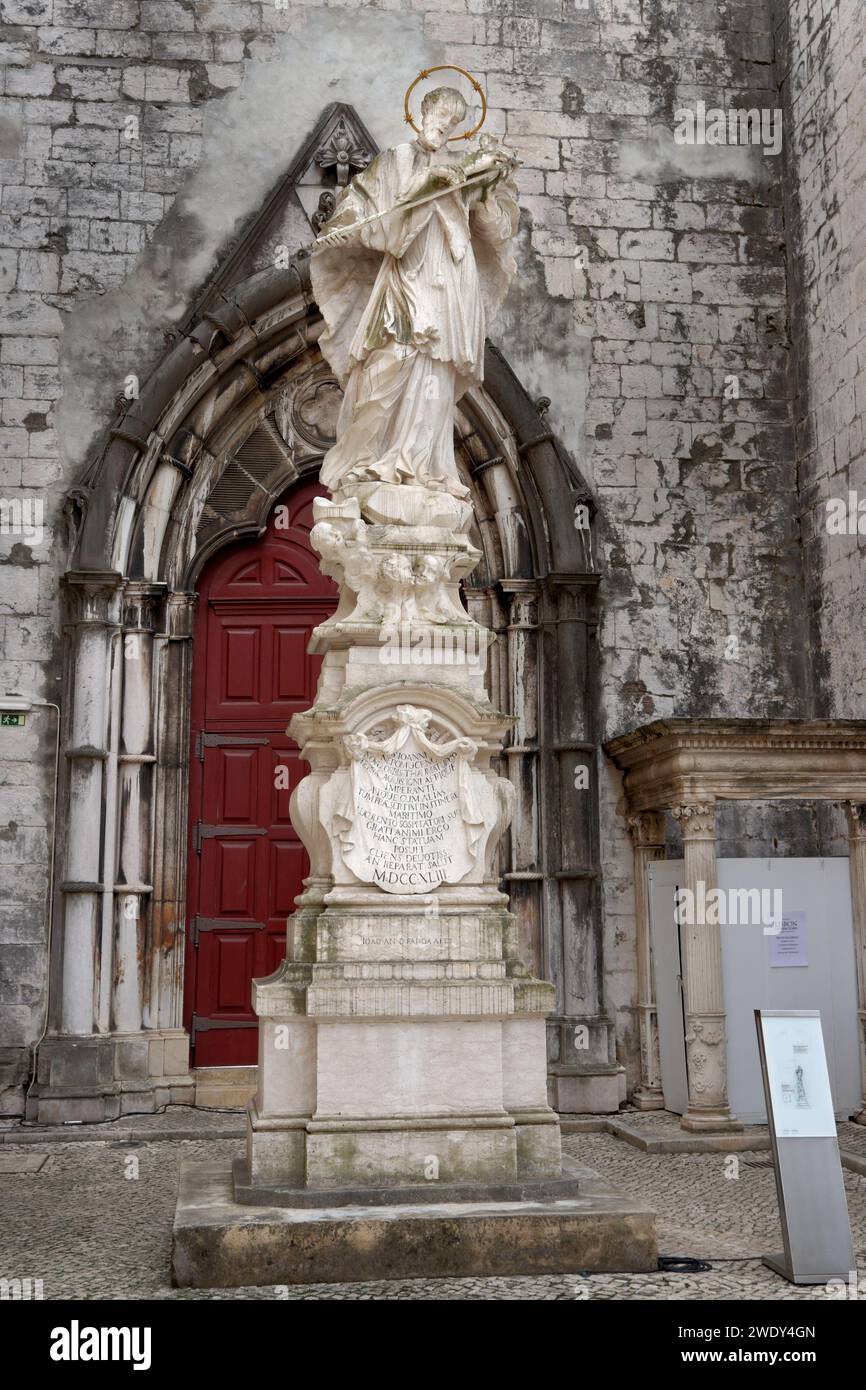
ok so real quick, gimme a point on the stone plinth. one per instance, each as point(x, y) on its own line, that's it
point(219, 1243)
point(401, 1125)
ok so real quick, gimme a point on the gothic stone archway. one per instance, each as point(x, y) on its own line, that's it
point(241, 408)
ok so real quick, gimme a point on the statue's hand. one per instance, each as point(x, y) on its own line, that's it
point(338, 237)
point(482, 164)
point(449, 174)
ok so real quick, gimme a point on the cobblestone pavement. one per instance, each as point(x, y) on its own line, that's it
point(89, 1228)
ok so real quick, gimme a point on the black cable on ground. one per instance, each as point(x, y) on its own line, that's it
point(682, 1264)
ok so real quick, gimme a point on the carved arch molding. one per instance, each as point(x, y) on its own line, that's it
point(242, 406)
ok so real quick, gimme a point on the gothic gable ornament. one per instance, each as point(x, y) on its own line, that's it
point(339, 147)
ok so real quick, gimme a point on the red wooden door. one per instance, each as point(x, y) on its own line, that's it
point(257, 606)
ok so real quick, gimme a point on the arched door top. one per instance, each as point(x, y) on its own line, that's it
point(172, 484)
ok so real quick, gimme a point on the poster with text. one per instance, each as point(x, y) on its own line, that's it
point(797, 1072)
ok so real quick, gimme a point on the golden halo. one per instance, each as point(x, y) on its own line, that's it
point(446, 67)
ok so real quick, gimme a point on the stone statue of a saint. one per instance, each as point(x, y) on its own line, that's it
point(408, 298)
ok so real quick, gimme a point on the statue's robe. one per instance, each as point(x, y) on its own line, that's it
point(406, 305)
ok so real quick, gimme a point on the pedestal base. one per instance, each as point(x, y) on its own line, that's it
point(219, 1243)
point(88, 1080)
point(256, 1194)
point(711, 1122)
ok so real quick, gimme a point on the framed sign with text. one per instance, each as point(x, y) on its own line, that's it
point(812, 1208)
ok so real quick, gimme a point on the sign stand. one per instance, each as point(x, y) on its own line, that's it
point(812, 1206)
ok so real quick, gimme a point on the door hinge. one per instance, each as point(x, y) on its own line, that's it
point(200, 924)
point(205, 740)
point(215, 832)
point(207, 1025)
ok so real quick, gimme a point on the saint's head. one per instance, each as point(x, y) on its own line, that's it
point(441, 110)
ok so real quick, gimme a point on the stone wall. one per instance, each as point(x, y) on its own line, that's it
point(137, 139)
point(822, 66)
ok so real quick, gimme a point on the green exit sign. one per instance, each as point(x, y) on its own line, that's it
point(9, 720)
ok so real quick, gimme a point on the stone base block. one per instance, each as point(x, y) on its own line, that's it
point(252, 1190)
point(711, 1122)
point(218, 1243)
point(91, 1079)
point(224, 1088)
point(354, 1155)
point(539, 1149)
point(586, 1093)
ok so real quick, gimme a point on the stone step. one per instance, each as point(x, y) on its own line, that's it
point(218, 1243)
point(224, 1088)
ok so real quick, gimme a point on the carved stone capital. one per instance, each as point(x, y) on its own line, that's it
point(697, 821)
point(856, 813)
point(647, 829)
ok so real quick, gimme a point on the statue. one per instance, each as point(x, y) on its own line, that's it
point(405, 996)
point(408, 275)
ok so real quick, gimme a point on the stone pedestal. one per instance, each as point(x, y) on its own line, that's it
point(404, 1042)
point(401, 1123)
point(220, 1243)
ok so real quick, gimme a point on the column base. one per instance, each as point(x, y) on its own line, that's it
point(91, 1079)
point(648, 1098)
point(300, 1153)
point(576, 1091)
point(711, 1122)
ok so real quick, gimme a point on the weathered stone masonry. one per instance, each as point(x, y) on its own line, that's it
point(821, 52)
point(136, 139)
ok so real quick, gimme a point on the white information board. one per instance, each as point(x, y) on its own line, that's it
point(813, 1212)
point(798, 1078)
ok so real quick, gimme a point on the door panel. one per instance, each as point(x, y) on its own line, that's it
point(258, 604)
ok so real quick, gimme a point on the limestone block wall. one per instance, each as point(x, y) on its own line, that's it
point(138, 136)
point(822, 65)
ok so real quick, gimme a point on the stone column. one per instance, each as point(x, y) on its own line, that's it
point(403, 1040)
point(648, 838)
point(856, 813)
point(705, 1003)
point(525, 876)
point(132, 888)
point(93, 598)
point(585, 1074)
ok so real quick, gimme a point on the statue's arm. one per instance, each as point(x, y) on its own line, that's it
point(340, 227)
point(494, 210)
